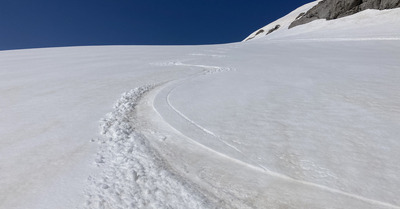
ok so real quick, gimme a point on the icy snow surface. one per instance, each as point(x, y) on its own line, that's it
point(306, 119)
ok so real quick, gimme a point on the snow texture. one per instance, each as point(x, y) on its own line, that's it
point(132, 174)
point(302, 118)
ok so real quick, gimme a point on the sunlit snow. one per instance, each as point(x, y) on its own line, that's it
point(302, 118)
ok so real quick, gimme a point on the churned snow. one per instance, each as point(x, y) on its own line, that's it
point(132, 173)
point(302, 118)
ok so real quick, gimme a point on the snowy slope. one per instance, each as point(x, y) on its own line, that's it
point(51, 102)
point(301, 118)
point(365, 25)
point(368, 24)
point(283, 22)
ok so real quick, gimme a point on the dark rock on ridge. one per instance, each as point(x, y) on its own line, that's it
point(273, 29)
point(262, 31)
point(259, 32)
point(333, 9)
point(300, 15)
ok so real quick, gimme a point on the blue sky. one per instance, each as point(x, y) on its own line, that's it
point(50, 23)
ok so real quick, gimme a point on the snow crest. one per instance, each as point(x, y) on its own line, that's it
point(133, 175)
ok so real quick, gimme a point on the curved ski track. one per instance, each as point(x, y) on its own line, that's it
point(134, 176)
point(258, 167)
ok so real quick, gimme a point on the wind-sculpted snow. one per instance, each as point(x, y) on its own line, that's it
point(132, 173)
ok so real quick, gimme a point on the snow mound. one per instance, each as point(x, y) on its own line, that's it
point(132, 173)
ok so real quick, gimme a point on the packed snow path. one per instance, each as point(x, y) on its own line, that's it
point(132, 173)
point(50, 104)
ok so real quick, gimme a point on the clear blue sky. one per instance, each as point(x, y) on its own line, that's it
point(49, 23)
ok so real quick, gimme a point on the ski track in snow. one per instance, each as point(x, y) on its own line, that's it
point(208, 70)
point(258, 166)
point(185, 117)
point(132, 173)
point(208, 55)
point(134, 176)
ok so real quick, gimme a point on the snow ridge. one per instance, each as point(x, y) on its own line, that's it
point(132, 173)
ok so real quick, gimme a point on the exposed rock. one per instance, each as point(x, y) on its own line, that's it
point(389, 4)
point(333, 9)
point(249, 38)
point(273, 29)
point(258, 32)
point(300, 15)
point(262, 31)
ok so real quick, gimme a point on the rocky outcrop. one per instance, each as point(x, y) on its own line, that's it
point(262, 31)
point(273, 29)
point(333, 9)
point(258, 33)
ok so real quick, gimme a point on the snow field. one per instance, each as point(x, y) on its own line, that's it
point(208, 168)
point(50, 103)
point(303, 118)
point(132, 173)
